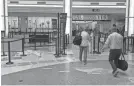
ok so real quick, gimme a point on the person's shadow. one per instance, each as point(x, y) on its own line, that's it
point(122, 73)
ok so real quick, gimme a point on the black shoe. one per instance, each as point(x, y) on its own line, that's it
point(85, 63)
point(80, 60)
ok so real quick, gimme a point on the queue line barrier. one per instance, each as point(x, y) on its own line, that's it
point(7, 46)
point(98, 42)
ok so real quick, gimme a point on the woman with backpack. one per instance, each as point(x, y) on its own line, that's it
point(84, 46)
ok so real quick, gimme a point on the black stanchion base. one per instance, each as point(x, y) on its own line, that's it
point(23, 55)
point(4, 55)
point(128, 49)
point(94, 52)
point(57, 55)
point(132, 50)
point(98, 52)
point(64, 54)
point(9, 63)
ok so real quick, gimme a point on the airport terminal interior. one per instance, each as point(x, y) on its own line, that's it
point(37, 41)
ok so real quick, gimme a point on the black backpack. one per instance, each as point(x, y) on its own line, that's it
point(77, 40)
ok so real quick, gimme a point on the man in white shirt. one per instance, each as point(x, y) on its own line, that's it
point(115, 42)
point(84, 45)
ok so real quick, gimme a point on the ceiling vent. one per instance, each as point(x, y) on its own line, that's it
point(94, 3)
point(14, 2)
point(120, 4)
point(41, 3)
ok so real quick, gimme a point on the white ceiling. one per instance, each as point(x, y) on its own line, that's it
point(75, 10)
point(77, 0)
point(56, 10)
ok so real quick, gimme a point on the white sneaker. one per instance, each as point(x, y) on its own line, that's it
point(115, 73)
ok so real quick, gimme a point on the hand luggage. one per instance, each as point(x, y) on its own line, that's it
point(77, 40)
point(122, 63)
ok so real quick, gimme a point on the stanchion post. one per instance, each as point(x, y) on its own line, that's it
point(9, 55)
point(124, 45)
point(3, 47)
point(55, 47)
point(12, 34)
point(34, 44)
point(94, 45)
point(26, 30)
point(131, 40)
point(133, 45)
point(23, 42)
point(66, 41)
point(128, 44)
point(68, 38)
point(58, 39)
point(98, 45)
point(51, 37)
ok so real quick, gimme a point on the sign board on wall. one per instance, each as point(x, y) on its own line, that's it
point(54, 23)
point(132, 35)
point(90, 17)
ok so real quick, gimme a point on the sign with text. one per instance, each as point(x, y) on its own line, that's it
point(63, 17)
point(61, 31)
point(90, 17)
point(132, 35)
point(54, 23)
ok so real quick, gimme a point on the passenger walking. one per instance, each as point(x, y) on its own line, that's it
point(84, 45)
point(115, 42)
point(91, 43)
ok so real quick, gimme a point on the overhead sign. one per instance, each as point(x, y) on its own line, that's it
point(90, 17)
point(63, 17)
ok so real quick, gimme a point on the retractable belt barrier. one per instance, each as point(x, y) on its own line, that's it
point(7, 46)
point(98, 42)
point(130, 43)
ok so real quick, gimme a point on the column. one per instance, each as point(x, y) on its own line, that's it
point(4, 16)
point(130, 19)
point(1, 16)
point(5, 6)
point(130, 16)
point(127, 13)
point(68, 9)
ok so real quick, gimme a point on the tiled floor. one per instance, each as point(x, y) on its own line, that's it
point(44, 69)
point(72, 73)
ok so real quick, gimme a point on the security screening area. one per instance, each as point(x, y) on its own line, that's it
point(67, 42)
